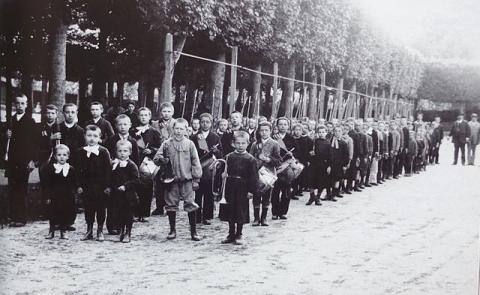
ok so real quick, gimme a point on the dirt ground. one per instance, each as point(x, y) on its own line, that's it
point(416, 235)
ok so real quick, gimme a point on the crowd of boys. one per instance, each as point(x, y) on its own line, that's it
point(112, 169)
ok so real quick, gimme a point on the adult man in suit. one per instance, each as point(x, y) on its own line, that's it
point(474, 138)
point(209, 147)
point(460, 134)
point(21, 156)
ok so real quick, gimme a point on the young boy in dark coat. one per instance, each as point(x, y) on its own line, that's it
point(96, 110)
point(123, 180)
point(339, 162)
point(303, 145)
point(208, 147)
point(267, 153)
point(281, 190)
point(320, 167)
point(148, 140)
point(59, 182)
point(123, 125)
point(93, 166)
point(242, 178)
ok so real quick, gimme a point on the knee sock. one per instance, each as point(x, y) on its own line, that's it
point(192, 221)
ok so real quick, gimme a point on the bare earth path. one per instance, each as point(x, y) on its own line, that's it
point(415, 235)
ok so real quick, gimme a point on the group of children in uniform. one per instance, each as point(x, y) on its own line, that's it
point(114, 172)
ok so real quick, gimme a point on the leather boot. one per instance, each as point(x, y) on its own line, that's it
point(256, 216)
point(89, 234)
point(100, 236)
point(122, 234)
point(311, 200)
point(172, 220)
point(62, 235)
point(51, 233)
point(193, 226)
point(264, 216)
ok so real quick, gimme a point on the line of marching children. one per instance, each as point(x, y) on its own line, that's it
point(113, 172)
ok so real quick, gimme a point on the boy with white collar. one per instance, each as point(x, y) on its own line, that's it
point(59, 183)
point(93, 166)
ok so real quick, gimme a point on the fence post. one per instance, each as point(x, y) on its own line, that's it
point(233, 79)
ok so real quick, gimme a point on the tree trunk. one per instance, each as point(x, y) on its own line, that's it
point(58, 53)
point(286, 105)
point(312, 91)
point(150, 93)
point(321, 97)
point(111, 95)
point(120, 90)
point(339, 97)
point(99, 91)
point(217, 79)
point(177, 47)
point(142, 93)
point(256, 90)
point(44, 94)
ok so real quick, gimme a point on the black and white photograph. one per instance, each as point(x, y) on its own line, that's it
point(270, 147)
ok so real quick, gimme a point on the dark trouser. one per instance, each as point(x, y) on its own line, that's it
point(17, 191)
point(112, 219)
point(125, 216)
point(351, 174)
point(280, 198)
point(95, 207)
point(159, 193)
point(386, 167)
point(231, 229)
point(204, 199)
point(398, 164)
point(461, 147)
point(145, 194)
point(436, 154)
point(408, 164)
point(391, 166)
point(379, 176)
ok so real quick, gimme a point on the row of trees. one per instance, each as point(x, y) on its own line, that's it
point(107, 42)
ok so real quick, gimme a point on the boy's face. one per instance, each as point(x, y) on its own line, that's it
point(195, 125)
point(70, 114)
point(240, 144)
point(322, 133)
point(167, 113)
point(20, 104)
point(311, 126)
point(180, 130)
point(144, 117)
point(51, 115)
point(265, 132)
point(96, 111)
point(131, 107)
point(123, 152)
point(252, 123)
point(223, 126)
point(282, 126)
point(92, 137)
point(123, 125)
point(297, 131)
point(206, 124)
point(337, 132)
point(329, 128)
point(61, 155)
point(236, 119)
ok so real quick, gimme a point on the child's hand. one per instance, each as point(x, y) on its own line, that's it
point(249, 196)
point(107, 191)
point(48, 202)
point(195, 185)
point(147, 151)
point(79, 190)
point(312, 153)
point(121, 188)
point(329, 169)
